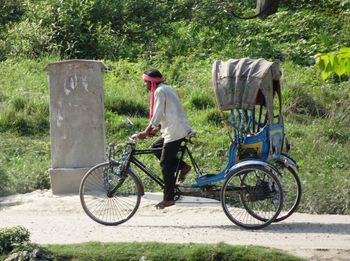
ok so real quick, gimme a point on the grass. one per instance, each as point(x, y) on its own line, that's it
point(316, 118)
point(14, 242)
point(24, 163)
point(161, 251)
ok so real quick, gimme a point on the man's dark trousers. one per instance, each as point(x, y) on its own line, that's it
point(168, 163)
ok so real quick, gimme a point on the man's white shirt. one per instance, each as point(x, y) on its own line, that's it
point(169, 113)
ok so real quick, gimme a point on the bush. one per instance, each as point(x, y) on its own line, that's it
point(26, 40)
point(11, 11)
point(25, 117)
point(214, 117)
point(12, 237)
point(201, 101)
point(29, 251)
point(125, 107)
point(303, 103)
point(122, 29)
point(14, 241)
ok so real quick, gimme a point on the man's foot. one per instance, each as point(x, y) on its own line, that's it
point(184, 171)
point(165, 203)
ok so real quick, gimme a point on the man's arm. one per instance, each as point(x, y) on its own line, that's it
point(155, 130)
point(159, 107)
point(143, 134)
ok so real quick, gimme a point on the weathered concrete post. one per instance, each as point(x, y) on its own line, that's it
point(76, 121)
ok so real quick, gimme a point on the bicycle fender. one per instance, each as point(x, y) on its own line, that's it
point(142, 189)
point(286, 160)
point(252, 163)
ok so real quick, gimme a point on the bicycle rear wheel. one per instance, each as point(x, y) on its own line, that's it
point(291, 191)
point(108, 195)
point(252, 197)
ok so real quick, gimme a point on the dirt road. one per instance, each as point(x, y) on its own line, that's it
point(60, 220)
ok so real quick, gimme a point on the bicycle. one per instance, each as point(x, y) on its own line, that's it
point(251, 196)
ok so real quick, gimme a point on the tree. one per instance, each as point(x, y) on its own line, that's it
point(264, 8)
point(10, 11)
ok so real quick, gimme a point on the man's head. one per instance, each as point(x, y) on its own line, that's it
point(152, 75)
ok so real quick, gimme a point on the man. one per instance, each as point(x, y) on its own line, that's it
point(168, 116)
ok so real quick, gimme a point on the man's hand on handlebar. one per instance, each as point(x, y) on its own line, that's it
point(154, 131)
point(149, 131)
point(142, 135)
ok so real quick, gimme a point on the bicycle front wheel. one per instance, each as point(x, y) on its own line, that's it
point(252, 197)
point(108, 195)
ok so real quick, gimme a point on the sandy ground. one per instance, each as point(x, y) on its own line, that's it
point(55, 219)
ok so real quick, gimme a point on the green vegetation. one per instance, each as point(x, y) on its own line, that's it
point(182, 39)
point(335, 63)
point(15, 245)
point(11, 237)
point(105, 29)
point(160, 251)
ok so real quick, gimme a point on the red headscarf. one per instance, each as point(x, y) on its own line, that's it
point(154, 81)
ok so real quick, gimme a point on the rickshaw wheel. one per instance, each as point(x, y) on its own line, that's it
point(292, 191)
point(252, 197)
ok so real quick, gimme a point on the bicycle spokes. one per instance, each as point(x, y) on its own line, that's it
point(252, 198)
point(110, 197)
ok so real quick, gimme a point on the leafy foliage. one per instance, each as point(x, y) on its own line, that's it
point(12, 237)
point(11, 11)
point(158, 30)
point(338, 63)
point(14, 242)
point(29, 251)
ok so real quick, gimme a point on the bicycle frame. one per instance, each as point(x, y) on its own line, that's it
point(201, 178)
point(182, 150)
point(143, 167)
point(212, 178)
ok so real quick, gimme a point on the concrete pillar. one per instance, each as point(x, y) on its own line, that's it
point(76, 121)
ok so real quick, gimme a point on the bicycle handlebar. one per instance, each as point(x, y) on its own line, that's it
point(133, 137)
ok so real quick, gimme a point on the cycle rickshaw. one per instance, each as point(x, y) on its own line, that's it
point(249, 187)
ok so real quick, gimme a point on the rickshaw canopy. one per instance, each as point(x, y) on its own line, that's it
point(245, 83)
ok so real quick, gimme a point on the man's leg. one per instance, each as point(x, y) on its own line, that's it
point(184, 167)
point(158, 144)
point(168, 163)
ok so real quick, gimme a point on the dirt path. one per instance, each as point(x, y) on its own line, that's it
point(60, 220)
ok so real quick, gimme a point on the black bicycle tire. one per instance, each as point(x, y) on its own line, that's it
point(91, 215)
point(266, 221)
point(252, 212)
point(297, 199)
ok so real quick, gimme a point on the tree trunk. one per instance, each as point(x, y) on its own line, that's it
point(266, 7)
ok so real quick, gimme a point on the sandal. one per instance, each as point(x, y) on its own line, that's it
point(165, 203)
